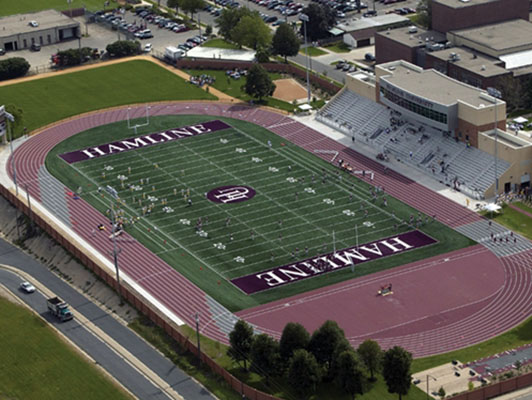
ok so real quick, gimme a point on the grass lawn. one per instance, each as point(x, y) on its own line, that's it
point(313, 51)
point(233, 87)
point(50, 99)
point(10, 7)
point(339, 47)
point(240, 155)
point(514, 220)
point(220, 43)
point(36, 364)
point(523, 206)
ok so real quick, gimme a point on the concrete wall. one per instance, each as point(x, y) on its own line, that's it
point(43, 37)
point(445, 19)
point(362, 88)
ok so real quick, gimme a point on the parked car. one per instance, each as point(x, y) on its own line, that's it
point(369, 57)
point(370, 13)
point(35, 47)
point(2, 51)
point(147, 47)
point(27, 287)
point(33, 24)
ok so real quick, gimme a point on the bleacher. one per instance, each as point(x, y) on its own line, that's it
point(432, 151)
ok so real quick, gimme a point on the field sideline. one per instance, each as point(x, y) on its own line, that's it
point(290, 212)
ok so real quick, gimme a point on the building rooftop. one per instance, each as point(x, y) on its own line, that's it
point(502, 38)
point(417, 39)
point(432, 85)
point(463, 3)
point(15, 24)
point(471, 60)
point(373, 22)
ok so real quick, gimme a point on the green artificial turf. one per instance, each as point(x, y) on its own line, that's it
point(233, 87)
point(50, 99)
point(36, 364)
point(10, 7)
point(220, 44)
point(205, 162)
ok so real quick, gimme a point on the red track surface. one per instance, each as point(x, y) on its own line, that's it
point(438, 304)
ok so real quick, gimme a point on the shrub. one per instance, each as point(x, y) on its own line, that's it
point(123, 48)
point(13, 68)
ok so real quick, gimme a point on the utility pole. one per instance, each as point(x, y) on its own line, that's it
point(305, 19)
point(495, 94)
point(116, 252)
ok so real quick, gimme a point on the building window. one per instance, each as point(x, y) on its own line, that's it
point(414, 107)
point(49, 39)
point(40, 40)
point(24, 43)
point(32, 40)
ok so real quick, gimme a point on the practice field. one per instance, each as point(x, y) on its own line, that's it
point(36, 364)
point(129, 82)
point(303, 206)
point(29, 6)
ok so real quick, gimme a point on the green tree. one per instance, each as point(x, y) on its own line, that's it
point(441, 392)
point(265, 358)
point(17, 127)
point(321, 19)
point(174, 4)
point(258, 83)
point(192, 6)
point(325, 342)
point(371, 354)
point(208, 30)
point(262, 55)
point(123, 48)
point(14, 67)
point(240, 340)
point(350, 376)
point(303, 373)
point(294, 337)
point(228, 19)
point(251, 31)
point(285, 41)
point(396, 370)
point(424, 12)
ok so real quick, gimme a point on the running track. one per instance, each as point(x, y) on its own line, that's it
point(439, 304)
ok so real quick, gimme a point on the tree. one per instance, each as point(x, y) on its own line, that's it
point(262, 55)
point(208, 30)
point(192, 6)
point(294, 337)
point(424, 12)
point(251, 31)
point(371, 354)
point(396, 370)
point(228, 19)
point(265, 358)
point(441, 392)
point(123, 48)
point(285, 42)
point(303, 372)
point(17, 127)
point(173, 4)
point(259, 83)
point(325, 342)
point(240, 340)
point(321, 19)
point(13, 68)
point(350, 376)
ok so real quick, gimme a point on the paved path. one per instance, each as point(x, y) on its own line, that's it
point(145, 358)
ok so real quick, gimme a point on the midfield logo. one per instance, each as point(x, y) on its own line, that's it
point(143, 141)
point(231, 194)
point(324, 263)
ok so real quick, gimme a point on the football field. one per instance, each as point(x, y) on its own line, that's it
point(238, 201)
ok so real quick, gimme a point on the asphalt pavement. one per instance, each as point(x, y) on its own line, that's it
point(121, 369)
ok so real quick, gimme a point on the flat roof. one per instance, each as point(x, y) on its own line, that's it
point(373, 22)
point(501, 37)
point(432, 85)
point(403, 36)
point(215, 53)
point(19, 23)
point(463, 3)
point(517, 60)
point(472, 61)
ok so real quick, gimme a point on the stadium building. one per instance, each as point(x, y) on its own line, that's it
point(484, 43)
point(441, 125)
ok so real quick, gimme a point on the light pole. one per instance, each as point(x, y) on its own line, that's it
point(116, 252)
point(11, 119)
point(198, 337)
point(495, 94)
point(305, 19)
point(429, 376)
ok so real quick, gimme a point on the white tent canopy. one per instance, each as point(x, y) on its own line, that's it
point(520, 120)
point(492, 207)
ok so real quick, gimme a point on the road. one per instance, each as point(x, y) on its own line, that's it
point(128, 376)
